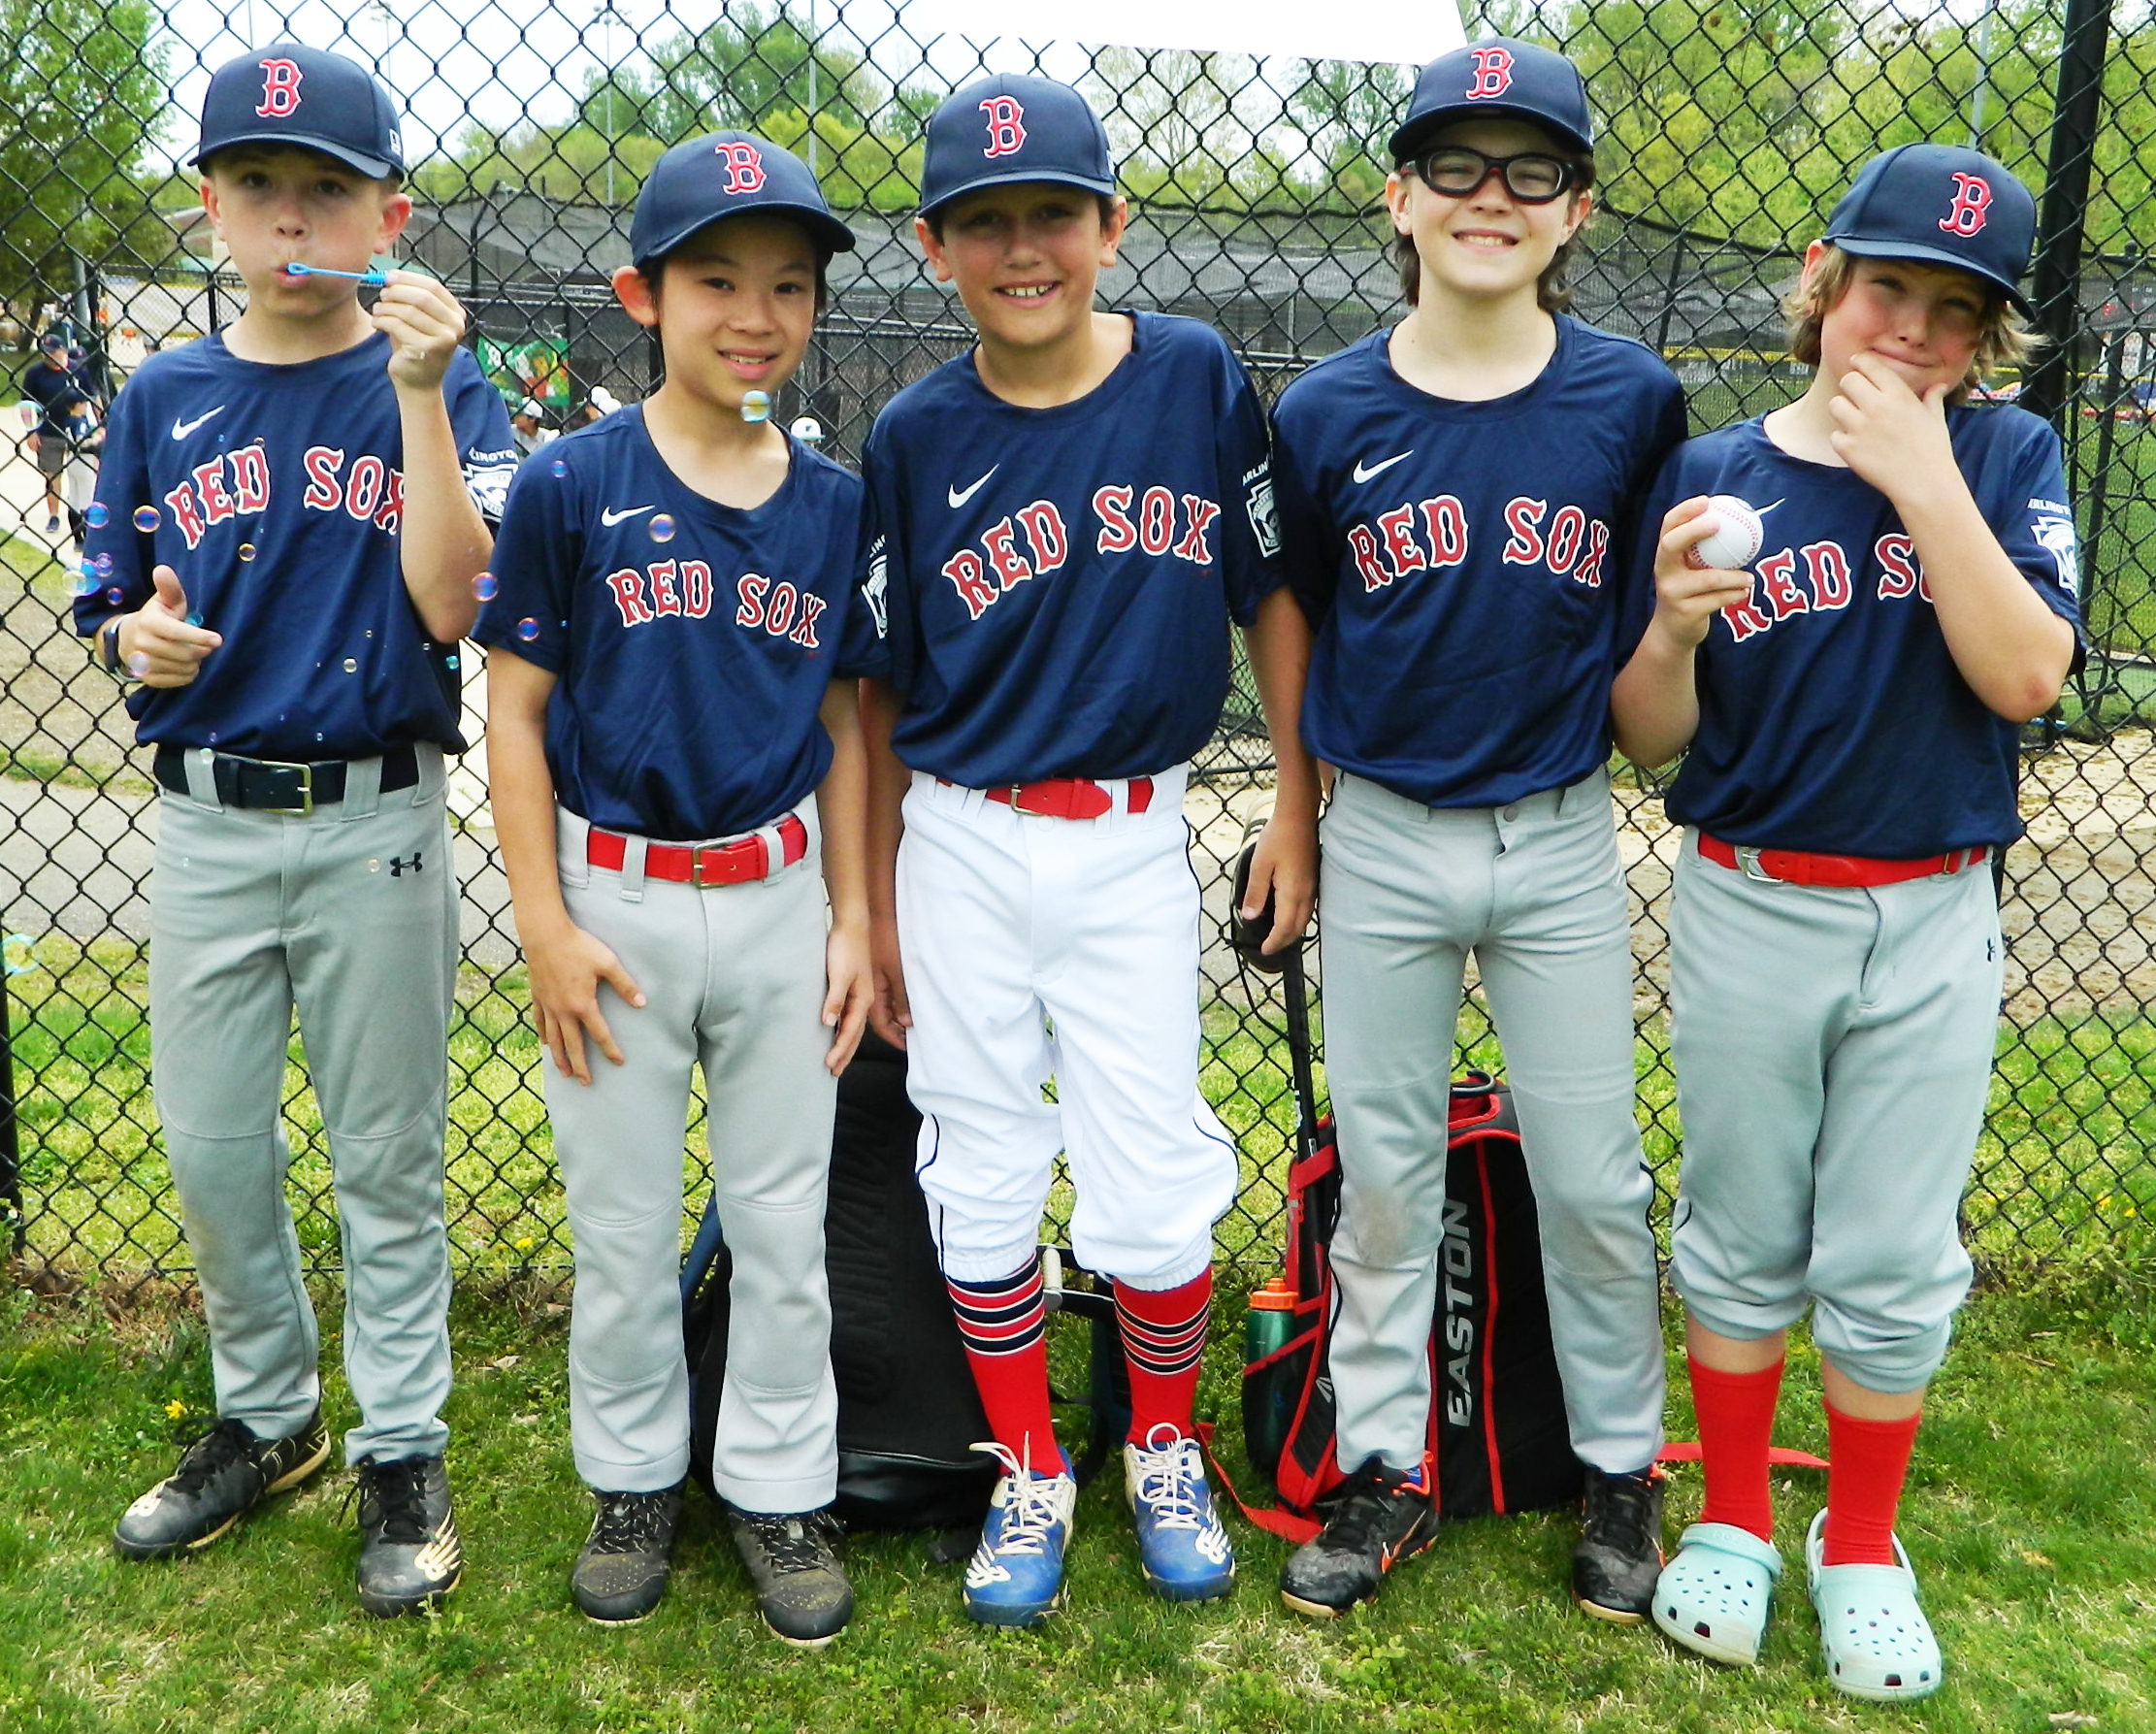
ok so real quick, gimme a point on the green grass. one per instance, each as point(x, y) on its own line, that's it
point(2062, 1174)
point(2031, 1516)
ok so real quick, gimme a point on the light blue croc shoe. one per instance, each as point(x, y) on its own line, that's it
point(1715, 1594)
point(1873, 1635)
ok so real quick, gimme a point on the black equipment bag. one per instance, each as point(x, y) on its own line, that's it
point(908, 1413)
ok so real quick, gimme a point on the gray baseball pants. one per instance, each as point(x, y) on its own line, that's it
point(1536, 891)
point(1833, 1053)
point(733, 981)
point(348, 914)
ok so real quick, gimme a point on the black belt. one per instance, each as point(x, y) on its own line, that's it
point(269, 785)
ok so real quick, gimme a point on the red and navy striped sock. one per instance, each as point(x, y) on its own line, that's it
point(1164, 1340)
point(1002, 1324)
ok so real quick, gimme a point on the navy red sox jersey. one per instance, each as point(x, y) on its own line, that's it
point(1464, 565)
point(692, 641)
point(1830, 716)
point(1055, 585)
point(275, 493)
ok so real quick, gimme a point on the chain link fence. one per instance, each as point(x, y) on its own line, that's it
point(1729, 127)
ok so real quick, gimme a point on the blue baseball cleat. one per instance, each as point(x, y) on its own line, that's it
point(1181, 1544)
point(1016, 1575)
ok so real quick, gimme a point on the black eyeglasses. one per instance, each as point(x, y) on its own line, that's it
point(1530, 177)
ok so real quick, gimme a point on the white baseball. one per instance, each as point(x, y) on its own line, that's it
point(1737, 537)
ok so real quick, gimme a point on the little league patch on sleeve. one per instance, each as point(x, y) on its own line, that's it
point(2057, 538)
point(1264, 517)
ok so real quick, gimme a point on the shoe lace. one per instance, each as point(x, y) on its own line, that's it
point(1370, 1509)
point(630, 1524)
point(1166, 1467)
point(398, 1490)
point(1029, 1508)
point(212, 1451)
point(1619, 1510)
point(792, 1542)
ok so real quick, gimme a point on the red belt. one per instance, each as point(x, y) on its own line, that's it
point(1071, 797)
point(1796, 867)
point(710, 864)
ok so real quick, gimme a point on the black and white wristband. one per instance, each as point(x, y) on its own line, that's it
point(107, 648)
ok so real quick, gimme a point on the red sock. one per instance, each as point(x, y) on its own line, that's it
point(1735, 1414)
point(1870, 1460)
point(1002, 1324)
point(1163, 1339)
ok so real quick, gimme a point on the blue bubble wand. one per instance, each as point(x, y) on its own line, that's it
point(368, 280)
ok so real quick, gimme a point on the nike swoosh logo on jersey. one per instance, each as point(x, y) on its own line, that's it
point(182, 429)
point(610, 517)
point(1363, 472)
point(959, 495)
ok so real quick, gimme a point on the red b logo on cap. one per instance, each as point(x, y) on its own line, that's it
point(1007, 128)
point(281, 89)
point(1972, 202)
point(1493, 73)
point(744, 165)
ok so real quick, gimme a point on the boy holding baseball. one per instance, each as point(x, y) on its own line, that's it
point(1849, 709)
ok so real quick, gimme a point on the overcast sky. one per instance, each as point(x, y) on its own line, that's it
point(501, 59)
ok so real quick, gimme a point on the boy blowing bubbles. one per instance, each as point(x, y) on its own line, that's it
point(286, 534)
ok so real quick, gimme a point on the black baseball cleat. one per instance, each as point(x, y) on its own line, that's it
point(793, 1560)
point(409, 1557)
point(1384, 1515)
point(1620, 1556)
point(224, 1473)
point(622, 1571)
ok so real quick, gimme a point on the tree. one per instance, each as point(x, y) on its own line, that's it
point(82, 98)
point(1349, 110)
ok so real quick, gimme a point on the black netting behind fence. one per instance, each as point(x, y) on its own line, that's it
point(1727, 131)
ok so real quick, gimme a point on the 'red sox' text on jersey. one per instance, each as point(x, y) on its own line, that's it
point(1831, 715)
point(692, 640)
point(1055, 585)
point(209, 469)
point(1463, 565)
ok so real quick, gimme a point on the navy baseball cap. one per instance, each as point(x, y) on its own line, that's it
point(998, 130)
point(52, 340)
point(287, 95)
point(1940, 205)
point(722, 175)
point(1498, 76)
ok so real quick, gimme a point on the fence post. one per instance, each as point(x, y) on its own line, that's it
point(2057, 277)
point(2048, 390)
point(1669, 294)
point(11, 1149)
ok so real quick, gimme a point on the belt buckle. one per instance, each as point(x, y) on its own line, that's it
point(1748, 863)
point(1018, 803)
point(724, 853)
point(307, 788)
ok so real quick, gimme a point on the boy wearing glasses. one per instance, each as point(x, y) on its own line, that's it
point(1454, 496)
